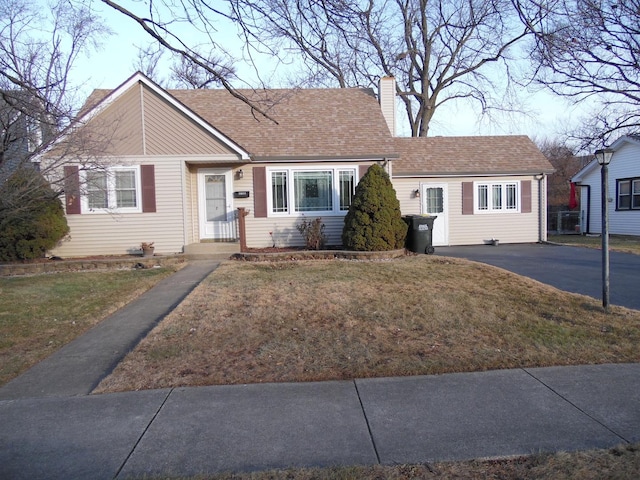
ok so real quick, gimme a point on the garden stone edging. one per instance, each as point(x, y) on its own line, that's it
point(56, 266)
point(318, 255)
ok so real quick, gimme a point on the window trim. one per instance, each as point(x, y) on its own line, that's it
point(289, 171)
point(631, 181)
point(111, 191)
point(490, 201)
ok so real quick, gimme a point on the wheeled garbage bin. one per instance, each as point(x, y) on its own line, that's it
point(419, 235)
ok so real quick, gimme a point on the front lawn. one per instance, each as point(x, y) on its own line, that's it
point(617, 243)
point(41, 313)
point(328, 320)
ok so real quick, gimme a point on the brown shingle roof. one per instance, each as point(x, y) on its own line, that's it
point(312, 123)
point(515, 154)
point(348, 123)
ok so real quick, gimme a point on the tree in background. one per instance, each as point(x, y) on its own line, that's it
point(559, 186)
point(439, 51)
point(38, 48)
point(187, 30)
point(589, 50)
point(374, 222)
point(566, 165)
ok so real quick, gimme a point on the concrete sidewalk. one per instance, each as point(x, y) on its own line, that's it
point(187, 431)
point(52, 429)
point(78, 367)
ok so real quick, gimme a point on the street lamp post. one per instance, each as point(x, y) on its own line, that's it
point(604, 158)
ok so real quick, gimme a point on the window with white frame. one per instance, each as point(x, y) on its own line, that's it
point(324, 191)
point(628, 194)
point(496, 197)
point(112, 189)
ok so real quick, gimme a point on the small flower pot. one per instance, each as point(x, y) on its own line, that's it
point(147, 251)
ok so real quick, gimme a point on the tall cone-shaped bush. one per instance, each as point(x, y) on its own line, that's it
point(374, 222)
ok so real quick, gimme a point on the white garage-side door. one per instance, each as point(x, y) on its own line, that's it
point(434, 202)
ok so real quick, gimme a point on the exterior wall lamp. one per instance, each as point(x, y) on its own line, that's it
point(239, 174)
point(416, 193)
point(604, 158)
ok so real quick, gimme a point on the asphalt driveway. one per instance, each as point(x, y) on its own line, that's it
point(574, 269)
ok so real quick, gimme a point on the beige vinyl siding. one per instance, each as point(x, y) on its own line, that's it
point(170, 132)
point(404, 187)
point(118, 234)
point(284, 228)
point(192, 202)
point(190, 209)
point(122, 121)
point(476, 229)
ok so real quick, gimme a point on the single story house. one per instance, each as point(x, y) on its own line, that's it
point(623, 188)
point(480, 188)
point(181, 166)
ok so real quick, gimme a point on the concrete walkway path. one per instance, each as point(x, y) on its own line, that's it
point(78, 367)
point(52, 429)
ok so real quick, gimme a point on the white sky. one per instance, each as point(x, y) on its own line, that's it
point(547, 117)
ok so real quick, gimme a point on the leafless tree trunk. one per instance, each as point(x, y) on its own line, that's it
point(438, 50)
point(589, 50)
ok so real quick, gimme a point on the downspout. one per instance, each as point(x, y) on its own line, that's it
point(587, 226)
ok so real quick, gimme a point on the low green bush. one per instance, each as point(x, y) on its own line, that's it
point(32, 218)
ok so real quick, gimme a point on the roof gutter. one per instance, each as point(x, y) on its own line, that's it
point(320, 158)
point(469, 174)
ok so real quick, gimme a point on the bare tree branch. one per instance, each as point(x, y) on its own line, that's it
point(589, 50)
point(437, 50)
point(197, 14)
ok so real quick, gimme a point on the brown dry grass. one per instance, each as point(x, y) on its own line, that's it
point(622, 463)
point(617, 243)
point(322, 320)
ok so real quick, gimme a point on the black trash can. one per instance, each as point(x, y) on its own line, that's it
point(419, 235)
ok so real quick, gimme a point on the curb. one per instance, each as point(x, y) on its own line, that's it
point(318, 255)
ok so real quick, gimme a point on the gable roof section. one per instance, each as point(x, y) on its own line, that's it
point(312, 124)
point(615, 146)
point(99, 100)
point(497, 155)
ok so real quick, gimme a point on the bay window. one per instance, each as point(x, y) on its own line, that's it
point(311, 190)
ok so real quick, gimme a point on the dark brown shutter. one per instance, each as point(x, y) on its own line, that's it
point(362, 169)
point(525, 196)
point(148, 180)
point(467, 198)
point(72, 190)
point(259, 192)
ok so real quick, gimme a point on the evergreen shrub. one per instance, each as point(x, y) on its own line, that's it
point(32, 218)
point(374, 222)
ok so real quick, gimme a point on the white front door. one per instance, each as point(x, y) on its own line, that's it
point(434, 202)
point(216, 204)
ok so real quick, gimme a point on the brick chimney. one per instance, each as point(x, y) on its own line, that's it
point(387, 99)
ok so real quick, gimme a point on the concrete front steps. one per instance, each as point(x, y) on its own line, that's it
point(211, 250)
